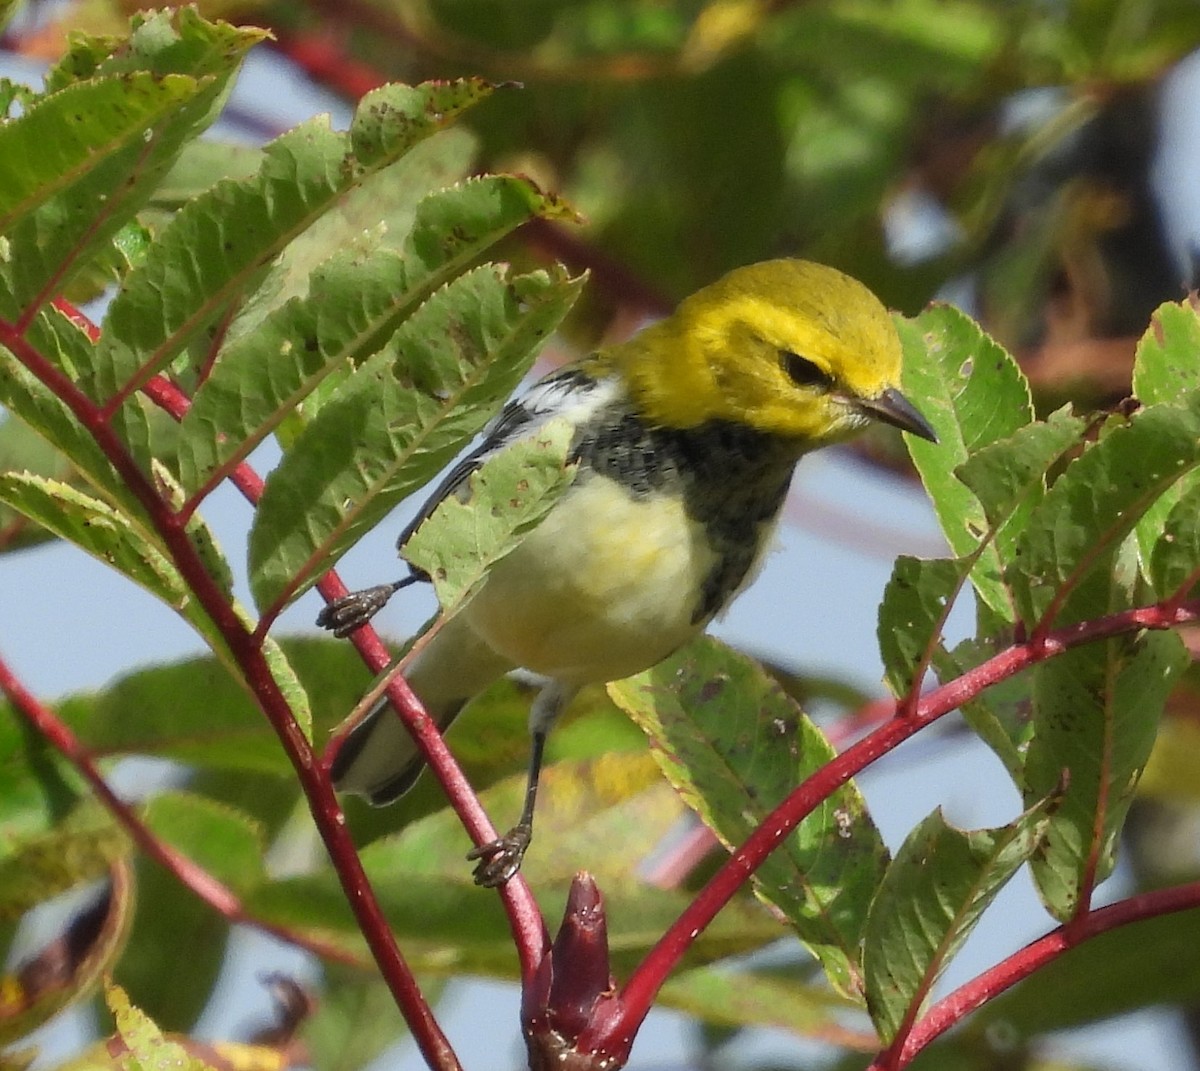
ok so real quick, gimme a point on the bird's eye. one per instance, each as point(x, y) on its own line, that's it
point(802, 371)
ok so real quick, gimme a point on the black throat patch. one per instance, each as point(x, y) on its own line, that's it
point(732, 479)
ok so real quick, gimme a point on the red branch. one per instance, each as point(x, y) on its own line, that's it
point(964, 1000)
point(612, 1035)
point(217, 895)
point(525, 918)
point(326, 812)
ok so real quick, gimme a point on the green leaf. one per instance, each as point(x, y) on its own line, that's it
point(288, 682)
point(218, 246)
point(914, 607)
point(973, 394)
point(1165, 368)
point(735, 746)
point(197, 712)
point(1096, 715)
point(67, 967)
point(23, 450)
point(931, 897)
point(64, 137)
point(398, 420)
point(221, 840)
point(355, 303)
point(27, 398)
point(173, 72)
point(78, 850)
point(604, 816)
point(1165, 373)
point(1065, 556)
point(173, 40)
point(1126, 969)
point(1008, 477)
point(506, 498)
point(737, 998)
point(999, 715)
point(97, 529)
point(147, 1049)
point(1175, 556)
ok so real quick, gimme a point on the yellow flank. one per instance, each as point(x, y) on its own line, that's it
point(605, 586)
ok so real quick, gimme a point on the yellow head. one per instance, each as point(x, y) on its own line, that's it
point(786, 346)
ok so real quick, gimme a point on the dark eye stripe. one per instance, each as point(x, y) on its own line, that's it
point(803, 372)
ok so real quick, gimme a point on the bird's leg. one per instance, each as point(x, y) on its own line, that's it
point(344, 615)
point(500, 859)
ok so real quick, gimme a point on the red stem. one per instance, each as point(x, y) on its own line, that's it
point(964, 1000)
point(217, 895)
point(326, 812)
point(525, 918)
point(613, 1034)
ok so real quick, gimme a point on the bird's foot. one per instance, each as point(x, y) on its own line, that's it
point(500, 859)
point(344, 615)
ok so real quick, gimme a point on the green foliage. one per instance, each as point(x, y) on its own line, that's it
point(934, 893)
point(735, 745)
point(464, 536)
point(337, 292)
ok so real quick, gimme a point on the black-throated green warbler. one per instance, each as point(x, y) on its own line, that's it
point(686, 437)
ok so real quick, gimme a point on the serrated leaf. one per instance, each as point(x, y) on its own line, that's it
point(23, 450)
point(97, 529)
point(218, 247)
point(1096, 715)
point(223, 841)
point(176, 39)
point(1008, 477)
point(914, 606)
point(289, 683)
point(1065, 555)
point(930, 899)
point(973, 394)
point(355, 303)
point(169, 54)
point(398, 421)
point(506, 498)
point(1165, 367)
point(1165, 372)
point(65, 136)
point(735, 746)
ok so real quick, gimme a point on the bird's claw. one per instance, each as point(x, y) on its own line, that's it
point(344, 615)
point(500, 859)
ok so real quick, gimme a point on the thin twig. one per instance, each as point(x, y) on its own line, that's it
point(213, 892)
point(258, 676)
point(613, 1034)
point(528, 927)
point(994, 981)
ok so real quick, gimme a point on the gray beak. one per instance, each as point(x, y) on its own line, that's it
point(893, 408)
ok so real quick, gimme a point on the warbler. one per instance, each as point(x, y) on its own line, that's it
point(685, 438)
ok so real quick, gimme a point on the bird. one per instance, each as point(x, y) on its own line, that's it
point(685, 438)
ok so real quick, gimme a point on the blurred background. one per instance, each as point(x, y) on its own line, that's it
point(1035, 162)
